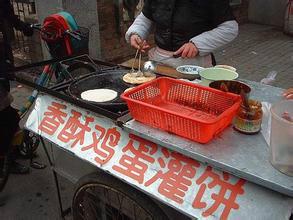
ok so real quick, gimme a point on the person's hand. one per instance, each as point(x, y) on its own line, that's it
point(188, 50)
point(27, 30)
point(138, 43)
point(288, 94)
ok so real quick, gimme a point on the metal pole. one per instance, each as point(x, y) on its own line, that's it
point(55, 179)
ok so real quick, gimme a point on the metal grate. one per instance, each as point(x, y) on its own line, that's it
point(25, 10)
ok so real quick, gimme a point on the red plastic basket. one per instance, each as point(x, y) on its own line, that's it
point(183, 108)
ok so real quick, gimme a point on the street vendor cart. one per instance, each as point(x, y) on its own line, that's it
point(124, 169)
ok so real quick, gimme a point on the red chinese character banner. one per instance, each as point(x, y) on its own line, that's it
point(179, 181)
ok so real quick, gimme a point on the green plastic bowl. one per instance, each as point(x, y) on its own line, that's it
point(209, 75)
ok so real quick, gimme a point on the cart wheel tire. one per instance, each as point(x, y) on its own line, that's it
point(111, 192)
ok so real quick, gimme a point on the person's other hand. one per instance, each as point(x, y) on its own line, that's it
point(138, 43)
point(188, 50)
point(27, 29)
point(288, 94)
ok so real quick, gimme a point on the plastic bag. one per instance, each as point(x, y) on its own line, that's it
point(270, 78)
point(266, 121)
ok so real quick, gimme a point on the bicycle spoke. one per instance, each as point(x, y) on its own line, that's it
point(109, 204)
point(91, 202)
point(120, 205)
point(134, 211)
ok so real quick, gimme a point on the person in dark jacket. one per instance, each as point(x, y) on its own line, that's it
point(190, 28)
point(9, 118)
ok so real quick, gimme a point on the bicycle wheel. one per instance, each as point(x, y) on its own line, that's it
point(79, 68)
point(4, 171)
point(30, 144)
point(101, 196)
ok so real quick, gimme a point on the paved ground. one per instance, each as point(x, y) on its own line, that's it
point(32, 196)
point(257, 51)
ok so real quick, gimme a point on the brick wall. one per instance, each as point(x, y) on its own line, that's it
point(113, 45)
point(241, 12)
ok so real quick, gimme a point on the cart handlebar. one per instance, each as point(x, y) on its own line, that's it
point(9, 73)
point(75, 34)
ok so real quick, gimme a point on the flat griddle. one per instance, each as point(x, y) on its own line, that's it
point(112, 79)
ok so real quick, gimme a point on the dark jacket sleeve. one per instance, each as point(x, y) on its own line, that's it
point(147, 9)
point(221, 12)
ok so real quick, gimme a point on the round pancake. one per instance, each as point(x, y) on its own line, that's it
point(99, 95)
point(129, 78)
point(126, 90)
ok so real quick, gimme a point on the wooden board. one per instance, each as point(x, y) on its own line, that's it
point(161, 69)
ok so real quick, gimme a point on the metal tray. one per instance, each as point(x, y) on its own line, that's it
point(245, 156)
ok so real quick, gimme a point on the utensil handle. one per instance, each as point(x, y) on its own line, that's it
point(133, 63)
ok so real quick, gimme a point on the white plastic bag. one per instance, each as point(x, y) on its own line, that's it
point(266, 121)
point(270, 78)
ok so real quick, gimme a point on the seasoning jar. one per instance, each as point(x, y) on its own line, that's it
point(249, 117)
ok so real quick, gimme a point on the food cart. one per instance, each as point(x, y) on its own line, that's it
point(124, 168)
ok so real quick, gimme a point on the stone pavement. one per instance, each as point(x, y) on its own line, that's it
point(257, 51)
point(32, 196)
